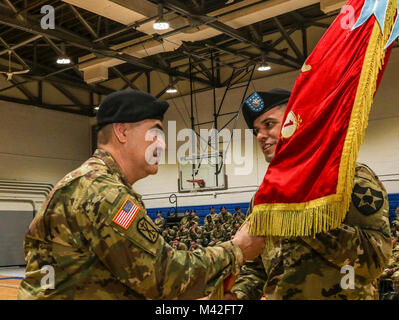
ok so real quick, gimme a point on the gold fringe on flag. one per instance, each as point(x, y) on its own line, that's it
point(327, 213)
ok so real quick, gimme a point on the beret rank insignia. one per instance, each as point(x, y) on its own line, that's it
point(255, 102)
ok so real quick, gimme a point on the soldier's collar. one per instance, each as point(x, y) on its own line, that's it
point(110, 162)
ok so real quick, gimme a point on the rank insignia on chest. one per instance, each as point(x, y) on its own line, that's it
point(126, 214)
point(147, 230)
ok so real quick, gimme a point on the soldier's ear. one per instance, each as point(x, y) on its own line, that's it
point(120, 131)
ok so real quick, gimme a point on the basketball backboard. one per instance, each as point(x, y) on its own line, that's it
point(204, 172)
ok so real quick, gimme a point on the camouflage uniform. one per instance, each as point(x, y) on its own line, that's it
point(309, 268)
point(236, 219)
point(185, 220)
point(183, 234)
point(234, 228)
point(218, 235)
point(166, 234)
point(212, 215)
point(179, 246)
point(160, 222)
point(196, 219)
point(225, 218)
point(207, 230)
point(195, 233)
point(95, 258)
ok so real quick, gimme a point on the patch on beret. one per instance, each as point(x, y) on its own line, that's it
point(255, 102)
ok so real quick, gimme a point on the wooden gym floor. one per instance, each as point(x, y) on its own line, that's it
point(9, 288)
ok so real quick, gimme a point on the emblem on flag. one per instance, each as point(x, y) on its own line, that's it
point(290, 125)
point(126, 214)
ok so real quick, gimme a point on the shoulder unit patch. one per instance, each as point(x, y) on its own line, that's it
point(367, 200)
point(147, 230)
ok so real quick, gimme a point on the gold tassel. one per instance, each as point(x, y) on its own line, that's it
point(218, 293)
point(327, 213)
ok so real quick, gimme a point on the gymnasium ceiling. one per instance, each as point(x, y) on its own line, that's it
point(113, 46)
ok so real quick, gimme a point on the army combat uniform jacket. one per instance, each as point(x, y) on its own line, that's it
point(79, 233)
point(310, 268)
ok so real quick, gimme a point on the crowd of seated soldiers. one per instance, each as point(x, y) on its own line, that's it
point(189, 234)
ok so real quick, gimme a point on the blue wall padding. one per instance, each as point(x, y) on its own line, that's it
point(203, 210)
point(393, 199)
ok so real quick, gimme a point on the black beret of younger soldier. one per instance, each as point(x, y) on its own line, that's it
point(130, 106)
point(260, 102)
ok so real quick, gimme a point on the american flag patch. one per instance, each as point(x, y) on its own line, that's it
point(126, 214)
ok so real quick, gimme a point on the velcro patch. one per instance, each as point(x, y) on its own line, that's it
point(147, 230)
point(367, 200)
point(126, 214)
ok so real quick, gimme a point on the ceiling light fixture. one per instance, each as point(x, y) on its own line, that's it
point(264, 67)
point(63, 58)
point(172, 88)
point(160, 23)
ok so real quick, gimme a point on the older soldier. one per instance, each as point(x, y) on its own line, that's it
point(310, 268)
point(93, 229)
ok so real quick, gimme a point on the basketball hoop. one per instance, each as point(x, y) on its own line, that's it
point(201, 183)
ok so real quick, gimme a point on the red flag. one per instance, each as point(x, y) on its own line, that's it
point(308, 185)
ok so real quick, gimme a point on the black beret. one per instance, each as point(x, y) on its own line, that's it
point(130, 106)
point(261, 101)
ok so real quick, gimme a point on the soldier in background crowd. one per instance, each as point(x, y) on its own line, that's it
point(225, 217)
point(208, 227)
point(178, 245)
point(166, 234)
point(186, 218)
point(238, 211)
point(193, 245)
point(195, 232)
point(183, 233)
point(160, 221)
point(233, 230)
point(218, 234)
point(395, 228)
point(212, 215)
point(194, 217)
point(237, 218)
